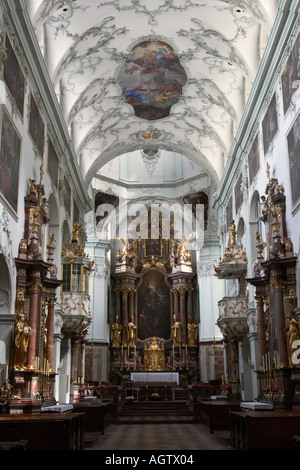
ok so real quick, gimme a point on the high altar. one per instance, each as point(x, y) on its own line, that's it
point(154, 327)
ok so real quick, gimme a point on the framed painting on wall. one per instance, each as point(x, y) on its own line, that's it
point(9, 161)
point(76, 214)
point(14, 77)
point(270, 124)
point(67, 197)
point(36, 126)
point(229, 214)
point(53, 163)
point(253, 160)
point(290, 78)
point(238, 195)
point(293, 140)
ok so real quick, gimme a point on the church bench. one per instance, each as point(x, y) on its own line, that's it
point(97, 416)
point(215, 414)
point(254, 430)
point(44, 431)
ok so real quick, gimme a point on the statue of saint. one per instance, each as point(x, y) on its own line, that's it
point(22, 333)
point(232, 234)
point(293, 334)
point(6, 391)
point(176, 333)
point(131, 334)
point(116, 333)
point(192, 332)
point(75, 234)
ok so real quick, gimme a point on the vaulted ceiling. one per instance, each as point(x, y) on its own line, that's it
point(200, 59)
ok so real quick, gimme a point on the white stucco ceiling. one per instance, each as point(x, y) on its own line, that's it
point(85, 44)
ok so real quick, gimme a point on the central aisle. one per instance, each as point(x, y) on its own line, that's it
point(171, 436)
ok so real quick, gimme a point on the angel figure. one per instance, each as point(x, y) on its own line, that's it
point(182, 252)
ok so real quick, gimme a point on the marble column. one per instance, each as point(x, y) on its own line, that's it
point(118, 304)
point(34, 290)
point(50, 332)
point(176, 302)
point(76, 359)
point(261, 324)
point(182, 292)
point(131, 305)
point(125, 292)
point(279, 337)
point(190, 303)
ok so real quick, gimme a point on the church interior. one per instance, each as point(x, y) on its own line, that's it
point(149, 222)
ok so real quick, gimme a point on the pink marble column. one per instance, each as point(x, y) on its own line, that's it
point(34, 290)
point(50, 332)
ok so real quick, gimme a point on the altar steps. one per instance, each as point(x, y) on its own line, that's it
point(155, 411)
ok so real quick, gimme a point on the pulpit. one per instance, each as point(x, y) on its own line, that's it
point(154, 357)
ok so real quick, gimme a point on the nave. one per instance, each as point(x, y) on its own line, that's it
point(163, 436)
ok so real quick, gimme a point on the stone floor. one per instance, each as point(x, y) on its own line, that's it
point(167, 436)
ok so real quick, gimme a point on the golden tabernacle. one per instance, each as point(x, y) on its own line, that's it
point(154, 356)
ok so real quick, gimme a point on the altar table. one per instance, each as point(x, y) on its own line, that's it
point(170, 377)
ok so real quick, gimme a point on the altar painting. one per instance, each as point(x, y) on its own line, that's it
point(154, 309)
point(152, 79)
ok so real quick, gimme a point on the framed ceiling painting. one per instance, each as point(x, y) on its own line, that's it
point(152, 79)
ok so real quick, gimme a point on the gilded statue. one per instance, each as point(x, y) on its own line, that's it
point(182, 252)
point(131, 334)
point(192, 332)
point(116, 333)
point(232, 234)
point(76, 229)
point(22, 333)
point(176, 333)
point(293, 334)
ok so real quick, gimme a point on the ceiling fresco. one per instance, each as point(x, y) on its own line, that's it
point(152, 79)
point(167, 74)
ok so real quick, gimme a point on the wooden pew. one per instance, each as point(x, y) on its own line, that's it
point(215, 414)
point(44, 431)
point(260, 430)
point(97, 416)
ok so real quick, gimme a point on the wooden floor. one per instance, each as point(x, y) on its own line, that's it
point(161, 436)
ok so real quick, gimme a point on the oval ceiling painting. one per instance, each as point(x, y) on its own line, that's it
point(152, 79)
